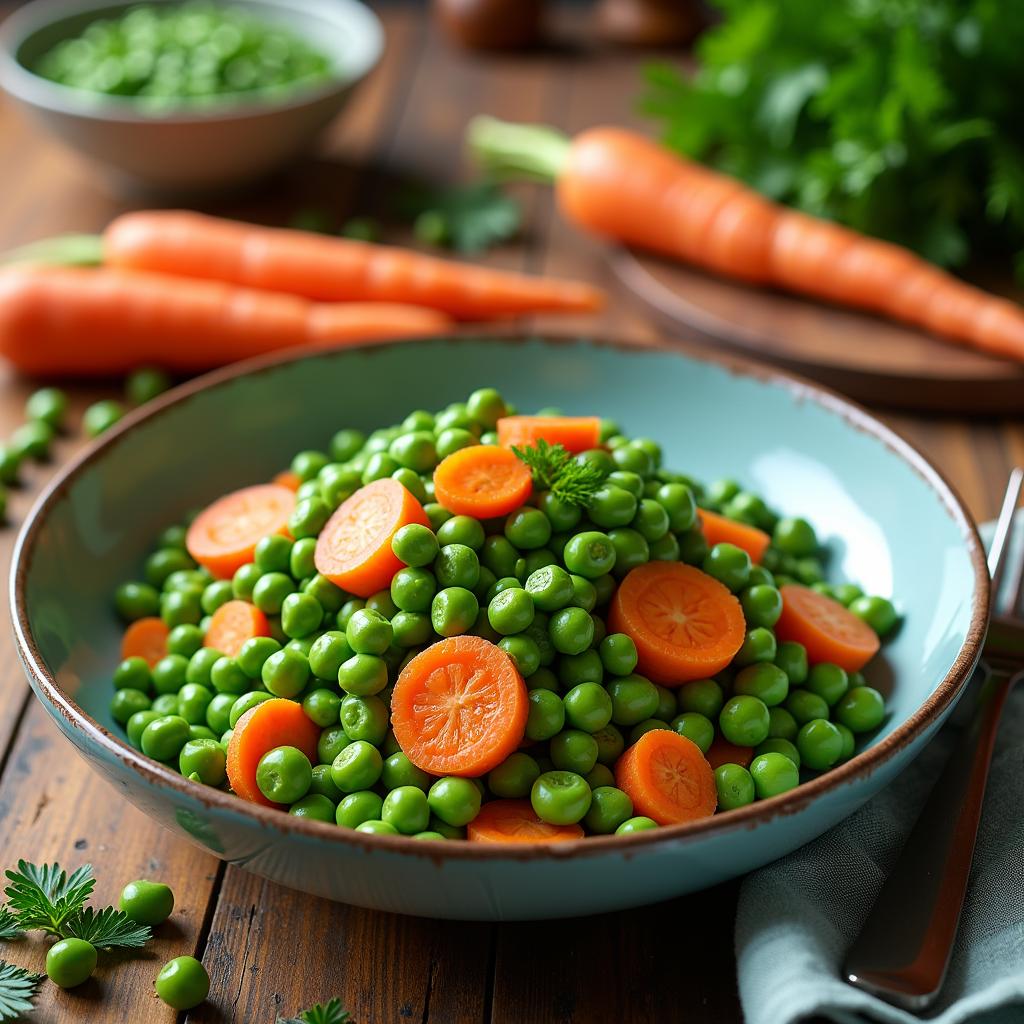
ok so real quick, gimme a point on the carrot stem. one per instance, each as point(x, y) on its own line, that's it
point(506, 150)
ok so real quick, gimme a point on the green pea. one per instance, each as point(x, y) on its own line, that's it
point(273, 554)
point(347, 610)
point(791, 657)
point(163, 738)
point(166, 704)
point(631, 549)
point(695, 727)
point(254, 653)
point(346, 444)
point(486, 406)
point(270, 590)
point(744, 721)
point(703, 696)
point(399, 771)
point(550, 588)
point(128, 702)
point(133, 674)
point(513, 778)
point(759, 645)
point(321, 784)
point(146, 902)
point(634, 699)
point(773, 773)
point(47, 405)
point(368, 632)
point(244, 581)
point(805, 706)
point(454, 801)
point(677, 500)
point(637, 824)
point(794, 536)
point(528, 528)
point(357, 767)
point(364, 717)
point(588, 707)
point(308, 518)
point(136, 725)
point(463, 530)
point(246, 702)
point(735, 786)
point(781, 724)
point(101, 416)
point(218, 712)
point(193, 700)
point(453, 611)
point(498, 555)
point(612, 506)
point(546, 715)
point(729, 565)
point(877, 612)
point(571, 630)
point(358, 808)
point(610, 807)
point(315, 806)
point(183, 983)
point(10, 464)
point(762, 605)
point(363, 674)
point(136, 601)
point(205, 760)
point(610, 744)
point(693, 547)
point(577, 669)
point(828, 681)
point(560, 797)
point(862, 709)
point(574, 750)
point(510, 611)
point(763, 680)
point(285, 673)
point(331, 743)
point(457, 565)
point(70, 962)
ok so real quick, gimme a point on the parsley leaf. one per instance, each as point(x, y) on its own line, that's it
point(17, 991)
point(9, 928)
point(45, 898)
point(323, 1013)
point(469, 218)
point(555, 470)
point(107, 929)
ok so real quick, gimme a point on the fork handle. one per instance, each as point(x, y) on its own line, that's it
point(902, 951)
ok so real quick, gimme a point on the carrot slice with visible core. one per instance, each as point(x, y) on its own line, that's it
point(828, 630)
point(274, 723)
point(354, 548)
point(223, 537)
point(573, 433)
point(515, 821)
point(667, 778)
point(483, 480)
point(720, 530)
point(459, 707)
point(232, 624)
point(145, 638)
point(723, 752)
point(287, 478)
point(685, 624)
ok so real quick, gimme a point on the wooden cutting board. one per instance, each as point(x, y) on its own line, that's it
point(870, 359)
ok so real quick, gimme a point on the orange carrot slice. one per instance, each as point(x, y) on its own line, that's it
point(723, 752)
point(287, 478)
point(484, 480)
point(274, 723)
point(685, 624)
point(354, 548)
point(515, 821)
point(223, 537)
point(825, 628)
point(232, 624)
point(145, 638)
point(667, 778)
point(573, 433)
point(720, 530)
point(459, 707)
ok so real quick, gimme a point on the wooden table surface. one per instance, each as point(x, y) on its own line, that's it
point(270, 950)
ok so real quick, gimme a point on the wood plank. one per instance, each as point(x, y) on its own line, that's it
point(274, 951)
point(54, 807)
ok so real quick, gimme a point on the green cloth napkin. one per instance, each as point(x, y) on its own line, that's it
point(797, 917)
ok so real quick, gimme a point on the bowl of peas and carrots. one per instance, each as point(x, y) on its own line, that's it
point(187, 95)
point(429, 646)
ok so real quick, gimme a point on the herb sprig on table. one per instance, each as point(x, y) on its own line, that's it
point(896, 117)
point(18, 988)
point(330, 1012)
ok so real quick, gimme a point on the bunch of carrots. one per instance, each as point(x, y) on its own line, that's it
point(190, 292)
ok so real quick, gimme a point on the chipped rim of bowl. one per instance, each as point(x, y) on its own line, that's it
point(29, 87)
point(752, 815)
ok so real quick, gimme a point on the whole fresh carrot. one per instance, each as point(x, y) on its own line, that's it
point(63, 320)
point(330, 269)
point(623, 186)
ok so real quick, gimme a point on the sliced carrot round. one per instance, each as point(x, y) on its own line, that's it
point(354, 548)
point(828, 630)
point(145, 638)
point(274, 723)
point(685, 624)
point(459, 707)
point(287, 478)
point(573, 433)
point(515, 821)
point(723, 752)
point(232, 624)
point(483, 480)
point(223, 537)
point(667, 778)
point(720, 530)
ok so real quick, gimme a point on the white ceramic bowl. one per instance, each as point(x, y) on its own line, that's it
point(188, 150)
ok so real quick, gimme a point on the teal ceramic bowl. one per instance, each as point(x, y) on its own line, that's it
point(891, 522)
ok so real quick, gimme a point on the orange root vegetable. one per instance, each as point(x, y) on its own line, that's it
point(459, 707)
point(829, 631)
point(146, 639)
point(274, 723)
point(685, 624)
point(71, 320)
point(723, 752)
point(354, 549)
point(331, 269)
point(232, 624)
point(623, 186)
point(515, 821)
point(721, 530)
point(667, 778)
point(223, 537)
point(573, 433)
point(483, 480)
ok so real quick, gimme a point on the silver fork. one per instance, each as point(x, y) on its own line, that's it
point(903, 949)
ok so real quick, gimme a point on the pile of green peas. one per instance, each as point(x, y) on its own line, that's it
point(537, 583)
point(189, 53)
